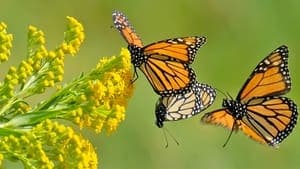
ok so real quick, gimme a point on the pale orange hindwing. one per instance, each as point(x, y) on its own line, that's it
point(179, 106)
point(270, 119)
point(207, 96)
point(125, 28)
point(182, 49)
point(186, 105)
point(247, 130)
point(219, 117)
point(166, 75)
point(271, 77)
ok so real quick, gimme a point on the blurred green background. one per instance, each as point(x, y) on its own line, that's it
point(239, 35)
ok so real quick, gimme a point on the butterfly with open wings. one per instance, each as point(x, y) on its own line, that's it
point(259, 110)
point(165, 63)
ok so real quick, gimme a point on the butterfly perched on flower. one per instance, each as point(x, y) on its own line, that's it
point(165, 63)
point(183, 106)
point(259, 110)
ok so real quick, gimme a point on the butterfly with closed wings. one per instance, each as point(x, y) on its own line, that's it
point(259, 110)
point(183, 106)
point(165, 63)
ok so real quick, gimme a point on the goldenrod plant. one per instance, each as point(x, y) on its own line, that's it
point(34, 133)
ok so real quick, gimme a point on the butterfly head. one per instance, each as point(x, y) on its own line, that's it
point(160, 112)
point(235, 108)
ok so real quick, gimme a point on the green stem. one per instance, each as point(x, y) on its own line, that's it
point(30, 119)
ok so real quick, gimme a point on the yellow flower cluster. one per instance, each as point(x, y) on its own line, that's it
point(42, 68)
point(5, 43)
point(22, 107)
point(36, 51)
point(10, 82)
point(106, 97)
point(50, 145)
point(96, 100)
point(73, 37)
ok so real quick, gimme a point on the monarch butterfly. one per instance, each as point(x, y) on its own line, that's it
point(183, 106)
point(259, 110)
point(164, 63)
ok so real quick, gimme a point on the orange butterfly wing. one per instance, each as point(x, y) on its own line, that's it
point(167, 62)
point(181, 49)
point(270, 118)
point(269, 78)
point(219, 117)
point(168, 77)
point(222, 117)
point(126, 29)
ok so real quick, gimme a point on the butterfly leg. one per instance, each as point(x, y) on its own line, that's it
point(135, 76)
point(235, 127)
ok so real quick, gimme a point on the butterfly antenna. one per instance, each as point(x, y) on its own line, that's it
point(166, 139)
point(231, 98)
point(221, 92)
point(228, 138)
point(167, 131)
